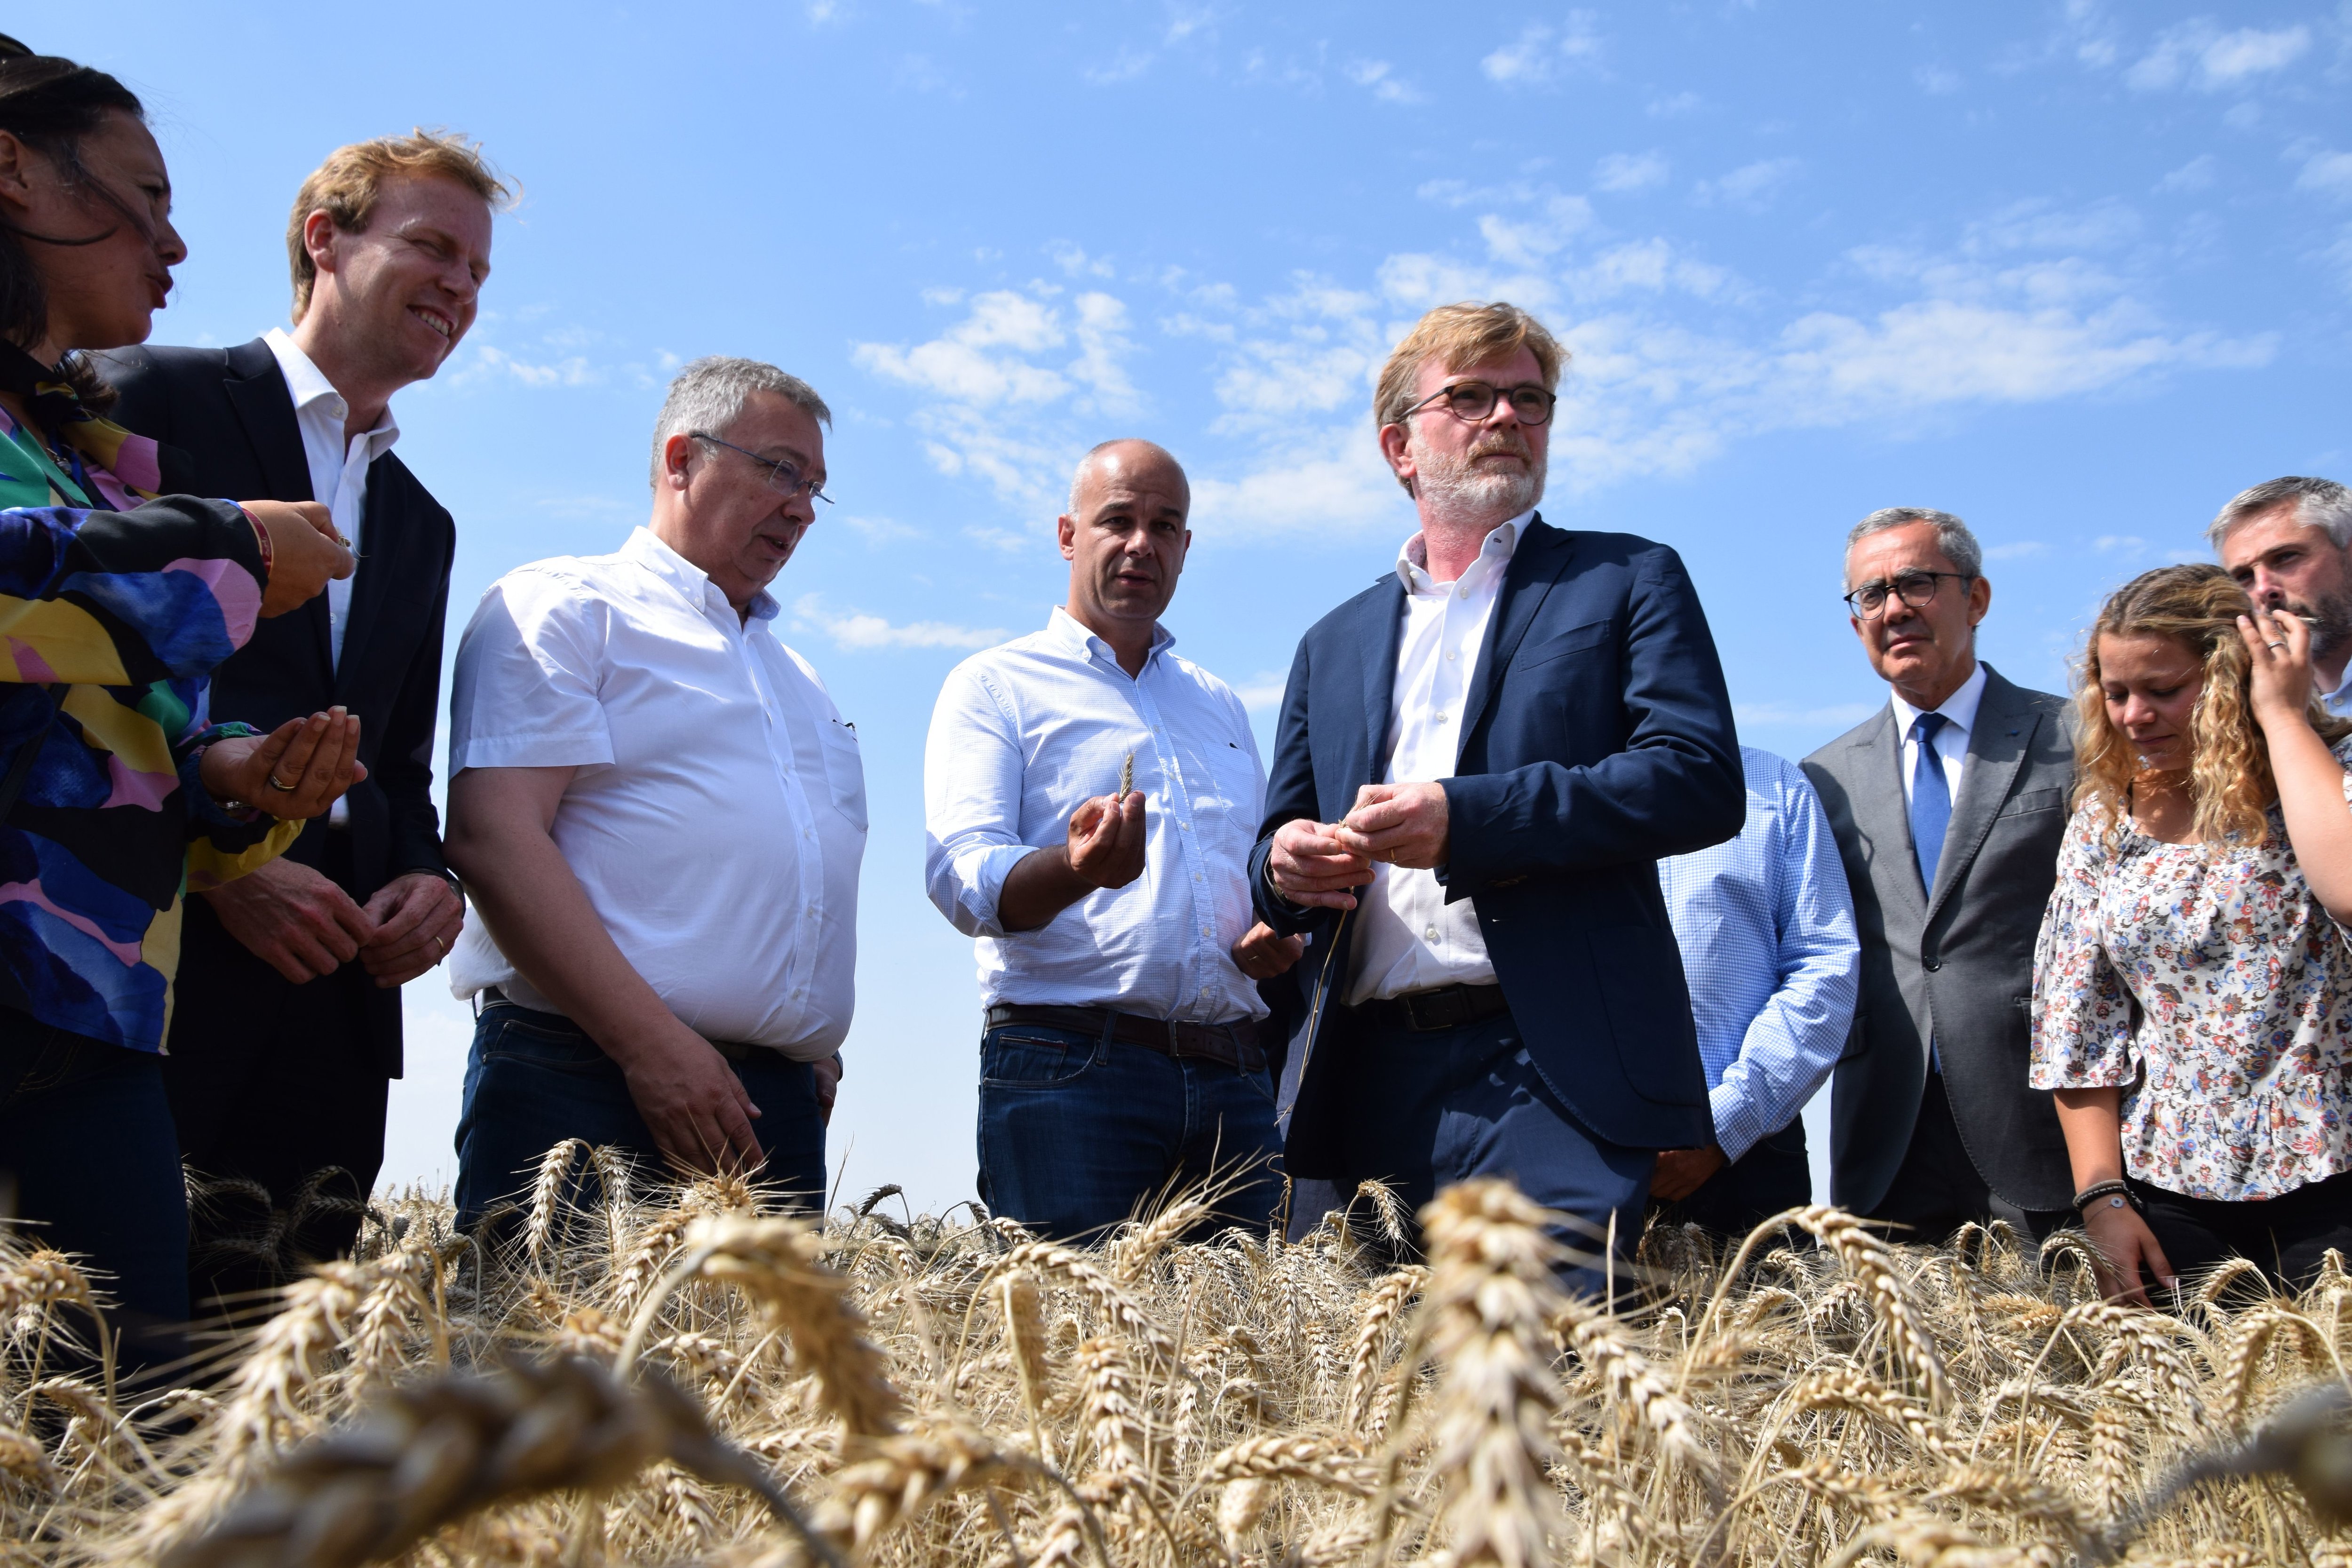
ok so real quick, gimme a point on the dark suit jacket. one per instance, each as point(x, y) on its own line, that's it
point(229, 411)
point(1955, 962)
point(1596, 738)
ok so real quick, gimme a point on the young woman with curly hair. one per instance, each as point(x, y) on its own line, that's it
point(2192, 986)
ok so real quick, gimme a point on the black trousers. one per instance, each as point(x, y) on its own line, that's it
point(1939, 1189)
point(1774, 1174)
point(280, 1092)
point(2286, 1236)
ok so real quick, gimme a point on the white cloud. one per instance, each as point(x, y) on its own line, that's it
point(977, 361)
point(1322, 482)
point(1672, 108)
point(1525, 242)
point(2198, 54)
point(1262, 692)
point(856, 629)
point(1937, 79)
point(2330, 173)
point(2022, 550)
point(2197, 175)
point(1541, 51)
point(1629, 172)
point(1750, 186)
point(1074, 260)
point(877, 530)
point(485, 361)
point(1381, 79)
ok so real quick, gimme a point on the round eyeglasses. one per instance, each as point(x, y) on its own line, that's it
point(1475, 400)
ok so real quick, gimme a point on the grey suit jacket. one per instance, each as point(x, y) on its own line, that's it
point(1954, 962)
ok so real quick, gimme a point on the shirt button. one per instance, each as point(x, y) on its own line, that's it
point(1196, 876)
point(1439, 720)
point(1451, 654)
point(1465, 591)
point(1430, 934)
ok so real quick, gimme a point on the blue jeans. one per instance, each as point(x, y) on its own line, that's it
point(1422, 1110)
point(535, 1078)
point(86, 1133)
point(1078, 1130)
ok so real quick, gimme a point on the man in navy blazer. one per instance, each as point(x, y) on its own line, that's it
point(1480, 759)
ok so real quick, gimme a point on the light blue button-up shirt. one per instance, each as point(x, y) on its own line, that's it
point(1766, 926)
point(1026, 733)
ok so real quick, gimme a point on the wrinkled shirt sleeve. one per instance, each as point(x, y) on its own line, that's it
point(1794, 1041)
point(2082, 1014)
point(525, 691)
point(972, 769)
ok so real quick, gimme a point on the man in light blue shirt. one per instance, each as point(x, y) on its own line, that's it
point(1766, 931)
point(1091, 800)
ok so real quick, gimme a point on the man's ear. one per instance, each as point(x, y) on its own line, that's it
point(1396, 446)
point(319, 237)
point(678, 452)
point(1065, 533)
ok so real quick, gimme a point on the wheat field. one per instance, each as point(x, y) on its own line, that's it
point(681, 1374)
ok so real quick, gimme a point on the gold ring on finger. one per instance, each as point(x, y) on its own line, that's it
point(280, 787)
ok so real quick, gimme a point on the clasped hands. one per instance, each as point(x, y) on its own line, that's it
point(1316, 864)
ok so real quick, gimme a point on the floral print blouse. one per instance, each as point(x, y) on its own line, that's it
point(2212, 987)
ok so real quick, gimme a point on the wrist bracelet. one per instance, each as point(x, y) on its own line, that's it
point(2119, 1190)
point(262, 536)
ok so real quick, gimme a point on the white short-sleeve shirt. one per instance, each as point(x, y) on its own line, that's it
point(717, 817)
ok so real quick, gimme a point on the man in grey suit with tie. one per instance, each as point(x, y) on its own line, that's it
point(1948, 806)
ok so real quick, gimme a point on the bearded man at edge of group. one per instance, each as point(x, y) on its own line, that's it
point(1509, 729)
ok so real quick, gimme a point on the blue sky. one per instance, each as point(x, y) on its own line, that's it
point(2077, 272)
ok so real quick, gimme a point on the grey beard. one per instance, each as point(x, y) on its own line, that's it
point(1450, 485)
point(2332, 623)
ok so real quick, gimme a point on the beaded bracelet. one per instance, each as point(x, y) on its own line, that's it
point(2119, 1190)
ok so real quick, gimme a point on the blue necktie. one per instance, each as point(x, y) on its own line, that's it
point(1931, 798)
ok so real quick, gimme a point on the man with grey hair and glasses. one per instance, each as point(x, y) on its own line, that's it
point(2288, 542)
point(659, 814)
point(1947, 806)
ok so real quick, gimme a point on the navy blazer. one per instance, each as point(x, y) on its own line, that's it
point(1597, 738)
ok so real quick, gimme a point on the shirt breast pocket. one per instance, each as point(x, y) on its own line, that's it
point(845, 772)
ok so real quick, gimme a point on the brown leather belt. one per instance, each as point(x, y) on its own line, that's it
point(1239, 1045)
point(1446, 1008)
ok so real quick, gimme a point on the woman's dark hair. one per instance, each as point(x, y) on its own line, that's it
point(50, 105)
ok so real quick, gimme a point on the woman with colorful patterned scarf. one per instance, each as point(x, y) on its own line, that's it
point(117, 602)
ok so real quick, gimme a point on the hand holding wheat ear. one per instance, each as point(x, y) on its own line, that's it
point(1126, 780)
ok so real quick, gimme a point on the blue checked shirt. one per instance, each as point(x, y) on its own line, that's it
point(1766, 926)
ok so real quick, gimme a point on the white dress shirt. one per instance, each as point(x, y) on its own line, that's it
point(1951, 742)
point(339, 477)
point(1023, 734)
point(339, 468)
point(1411, 939)
point(719, 815)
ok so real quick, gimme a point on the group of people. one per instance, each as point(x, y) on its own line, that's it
point(1513, 900)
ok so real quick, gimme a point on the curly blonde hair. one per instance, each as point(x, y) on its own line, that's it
point(2230, 782)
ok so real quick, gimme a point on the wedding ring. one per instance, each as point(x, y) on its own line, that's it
point(281, 788)
point(438, 947)
point(2274, 645)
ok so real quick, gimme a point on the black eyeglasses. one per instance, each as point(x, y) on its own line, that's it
point(1916, 589)
point(785, 478)
point(1475, 400)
